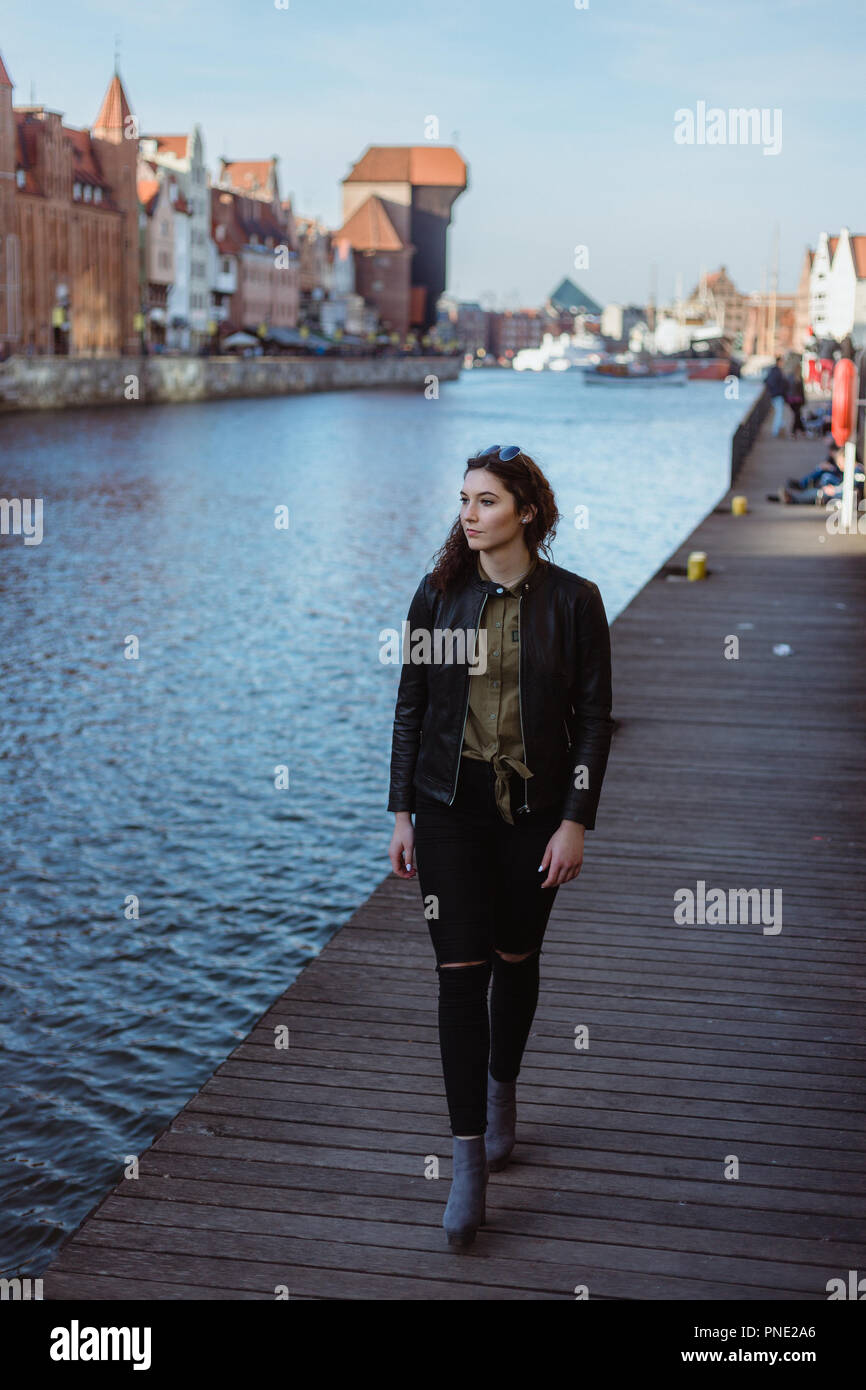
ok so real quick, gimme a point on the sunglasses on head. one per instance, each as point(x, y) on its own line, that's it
point(509, 452)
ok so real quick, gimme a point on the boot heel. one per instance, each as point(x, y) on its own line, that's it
point(467, 1208)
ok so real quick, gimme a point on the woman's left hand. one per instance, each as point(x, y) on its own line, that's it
point(564, 854)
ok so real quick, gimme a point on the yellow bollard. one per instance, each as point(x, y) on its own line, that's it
point(739, 505)
point(697, 566)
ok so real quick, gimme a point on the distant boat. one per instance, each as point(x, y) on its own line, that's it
point(529, 360)
point(636, 374)
point(708, 368)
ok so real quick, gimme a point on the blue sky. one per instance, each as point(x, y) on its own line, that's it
point(564, 116)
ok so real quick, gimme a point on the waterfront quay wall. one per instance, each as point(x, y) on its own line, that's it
point(54, 383)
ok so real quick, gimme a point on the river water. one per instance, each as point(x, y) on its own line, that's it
point(146, 785)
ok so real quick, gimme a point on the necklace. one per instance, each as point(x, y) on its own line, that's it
point(510, 584)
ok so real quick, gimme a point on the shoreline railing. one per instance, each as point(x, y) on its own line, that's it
point(747, 432)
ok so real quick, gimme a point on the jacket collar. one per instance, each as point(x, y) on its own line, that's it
point(527, 585)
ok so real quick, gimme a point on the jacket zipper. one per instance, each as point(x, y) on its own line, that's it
point(466, 710)
point(525, 806)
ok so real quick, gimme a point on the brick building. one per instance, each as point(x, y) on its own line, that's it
point(514, 329)
point(464, 323)
point(256, 245)
point(69, 250)
point(716, 297)
point(770, 325)
point(397, 203)
point(329, 301)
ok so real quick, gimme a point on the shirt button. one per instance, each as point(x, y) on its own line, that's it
point(499, 590)
point(498, 624)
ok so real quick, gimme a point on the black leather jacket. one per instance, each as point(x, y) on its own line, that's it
point(564, 694)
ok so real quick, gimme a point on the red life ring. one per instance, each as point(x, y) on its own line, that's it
point(844, 400)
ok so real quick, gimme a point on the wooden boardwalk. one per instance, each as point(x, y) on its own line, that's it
point(305, 1168)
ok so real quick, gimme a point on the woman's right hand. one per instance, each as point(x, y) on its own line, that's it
point(401, 851)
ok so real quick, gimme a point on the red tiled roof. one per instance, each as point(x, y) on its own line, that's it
point(371, 229)
point(251, 176)
point(222, 216)
point(115, 108)
point(244, 217)
point(417, 164)
point(5, 80)
point(858, 251)
point(25, 129)
point(85, 165)
point(26, 156)
point(171, 144)
point(148, 192)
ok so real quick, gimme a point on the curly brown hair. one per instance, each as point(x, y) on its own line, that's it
point(454, 562)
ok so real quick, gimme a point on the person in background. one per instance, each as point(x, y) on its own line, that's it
point(827, 490)
point(829, 472)
point(777, 385)
point(832, 492)
point(817, 418)
point(796, 399)
point(813, 495)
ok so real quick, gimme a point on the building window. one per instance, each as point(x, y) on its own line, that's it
point(20, 177)
point(88, 193)
point(97, 195)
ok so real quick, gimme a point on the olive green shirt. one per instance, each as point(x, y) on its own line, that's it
point(493, 731)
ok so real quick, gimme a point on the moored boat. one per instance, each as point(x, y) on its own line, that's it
point(708, 368)
point(636, 374)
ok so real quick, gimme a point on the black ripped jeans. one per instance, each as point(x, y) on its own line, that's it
point(481, 887)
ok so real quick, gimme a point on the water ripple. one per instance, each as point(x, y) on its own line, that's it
point(160, 891)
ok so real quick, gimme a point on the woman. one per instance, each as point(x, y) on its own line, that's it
point(501, 738)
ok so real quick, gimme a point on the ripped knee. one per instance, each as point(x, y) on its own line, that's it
point(514, 959)
point(460, 964)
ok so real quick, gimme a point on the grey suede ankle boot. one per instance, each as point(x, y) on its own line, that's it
point(501, 1121)
point(466, 1209)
